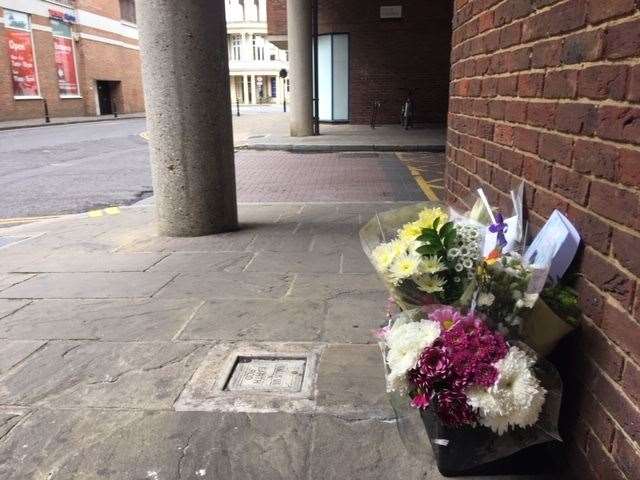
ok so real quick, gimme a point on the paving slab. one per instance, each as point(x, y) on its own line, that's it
point(139, 445)
point(9, 279)
point(295, 262)
point(14, 352)
point(111, 319)
point(352, 318)
point(63, 262)
point(329, 286)
point(89, 285)
point(224, 242)
point(222, 285)
point(102, 374)
point(200, 262)
point(351, 382)
point(364, 449)
point(258, 320)
point(7, 307)
point(283, 242)
point(354, 260)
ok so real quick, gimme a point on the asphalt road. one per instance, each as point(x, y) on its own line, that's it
point(72, 168)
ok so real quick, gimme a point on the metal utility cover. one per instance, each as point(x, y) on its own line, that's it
point(266, 374)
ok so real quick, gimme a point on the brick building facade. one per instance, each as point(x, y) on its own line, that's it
point(547, 91)
point(102, 38)
point(387, 56)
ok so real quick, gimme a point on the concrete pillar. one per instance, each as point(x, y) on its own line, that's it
point(186, 88)
point(300, 67)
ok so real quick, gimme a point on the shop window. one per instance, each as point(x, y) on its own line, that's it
point(64, 54)
point(24, 74)
point(128, 11)
point(273, 87)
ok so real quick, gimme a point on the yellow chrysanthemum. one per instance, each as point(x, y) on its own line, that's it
point(383, 256)
point(429, 215)
point(410, 232)
point(405, 266)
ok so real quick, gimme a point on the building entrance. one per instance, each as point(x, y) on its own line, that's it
point(107, 94)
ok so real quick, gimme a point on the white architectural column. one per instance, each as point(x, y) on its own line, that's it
point(300, 69)
point(186, 88)
point(254, 90)
point(245, 89)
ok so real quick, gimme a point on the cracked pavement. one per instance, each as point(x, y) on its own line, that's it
point(106, 327)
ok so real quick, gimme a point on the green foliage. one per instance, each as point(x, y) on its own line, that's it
point(564, 302)
point(437, 242)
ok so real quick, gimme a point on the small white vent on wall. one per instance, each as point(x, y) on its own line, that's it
point(394, 11)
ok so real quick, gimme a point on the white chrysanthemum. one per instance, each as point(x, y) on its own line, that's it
point(405, 343)
point(430, 283)
point(383, 256)
point(404, 266)
point(432, 265)
point(486, 299)
point(398, 247)
point(516, 399)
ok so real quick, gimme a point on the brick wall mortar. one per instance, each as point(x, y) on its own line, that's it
point(601, 27)
point(547, 91)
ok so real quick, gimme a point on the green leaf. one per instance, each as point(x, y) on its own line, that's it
point(436, 222)
point(450, 239)
point(446, 228)
point(427, 250)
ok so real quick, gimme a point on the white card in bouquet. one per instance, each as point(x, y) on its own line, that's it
point(555, 246)
point(511, 235)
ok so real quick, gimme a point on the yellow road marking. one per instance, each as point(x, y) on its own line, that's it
point(112, 210)
point(424, 185)
point(94, 213)
point(145, 135)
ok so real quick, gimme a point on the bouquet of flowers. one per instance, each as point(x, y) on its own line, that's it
point(465, 349)
point(466, 370)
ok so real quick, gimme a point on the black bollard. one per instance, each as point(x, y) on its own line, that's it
point(284, 105)
point(237, 106)
point(115, 109)
point(46, 111)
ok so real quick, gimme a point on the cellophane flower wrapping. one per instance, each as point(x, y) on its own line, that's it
point(461, 443)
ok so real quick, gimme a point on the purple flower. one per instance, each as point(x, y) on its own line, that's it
point(453, 409)
point(434, 366)
point(421, 401)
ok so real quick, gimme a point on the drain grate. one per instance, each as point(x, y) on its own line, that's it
point(267, 374)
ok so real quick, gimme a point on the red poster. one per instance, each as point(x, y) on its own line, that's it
point(65, 66)
point(23, 68)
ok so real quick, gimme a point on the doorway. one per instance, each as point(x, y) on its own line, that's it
point(108, 92)
point(333, 77)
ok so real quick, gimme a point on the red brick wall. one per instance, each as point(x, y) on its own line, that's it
point(277, 17)
point(95, 61)
point(547, 91)
point(388, 57)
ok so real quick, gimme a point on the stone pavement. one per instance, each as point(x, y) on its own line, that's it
point(348, 137)
point(115, 345)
